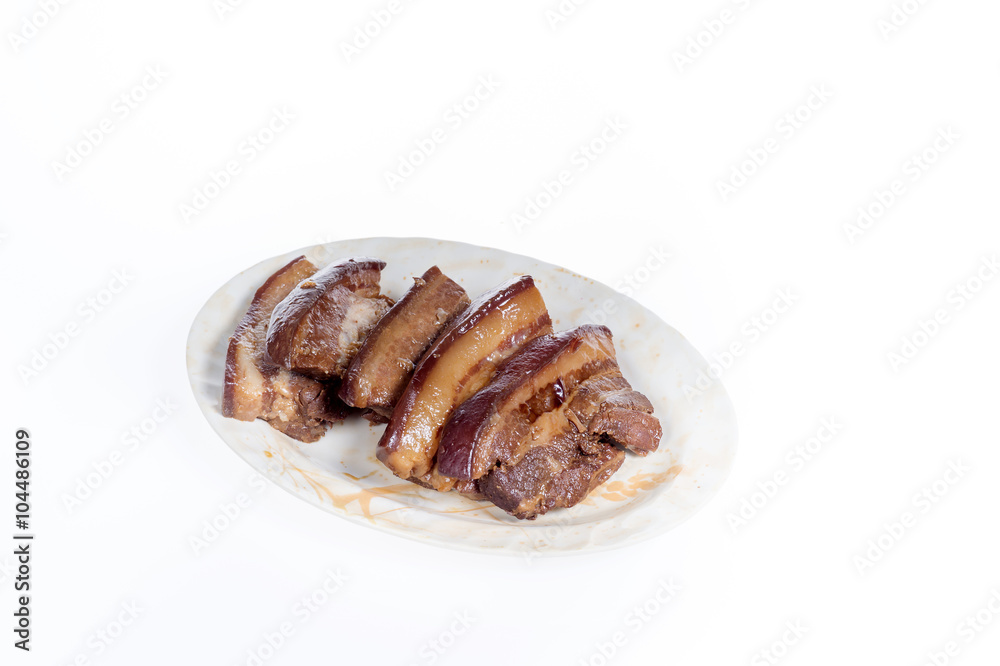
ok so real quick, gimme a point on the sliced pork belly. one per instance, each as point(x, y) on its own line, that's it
point(318, 327)
point(495, 424)
point(254, 387)
point(566, 378)
point(556, 474)
point(459, 363)
point(573, 448)
point(385, 362)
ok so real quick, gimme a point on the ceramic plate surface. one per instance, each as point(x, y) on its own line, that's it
point(340, 473)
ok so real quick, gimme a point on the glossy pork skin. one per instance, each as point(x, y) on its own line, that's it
point(550, 426)
point(386, 360)
point(254, 387)
point(571, 450)
point(459, 363)
point(495, 424)
point(317, 328)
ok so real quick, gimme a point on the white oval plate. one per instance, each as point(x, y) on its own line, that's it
point(340, 473)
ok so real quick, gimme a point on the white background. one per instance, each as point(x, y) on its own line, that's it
point(322, 178)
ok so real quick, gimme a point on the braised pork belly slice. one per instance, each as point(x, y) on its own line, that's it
point(319, 325)
point(556, 474)
point(458, 364)
point(255, 388)
point(574, 448)
point(494, 425)
point(571, 377)
point(386, 360)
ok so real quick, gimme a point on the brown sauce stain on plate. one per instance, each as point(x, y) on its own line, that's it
point(363, 496)
point(618, 491)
